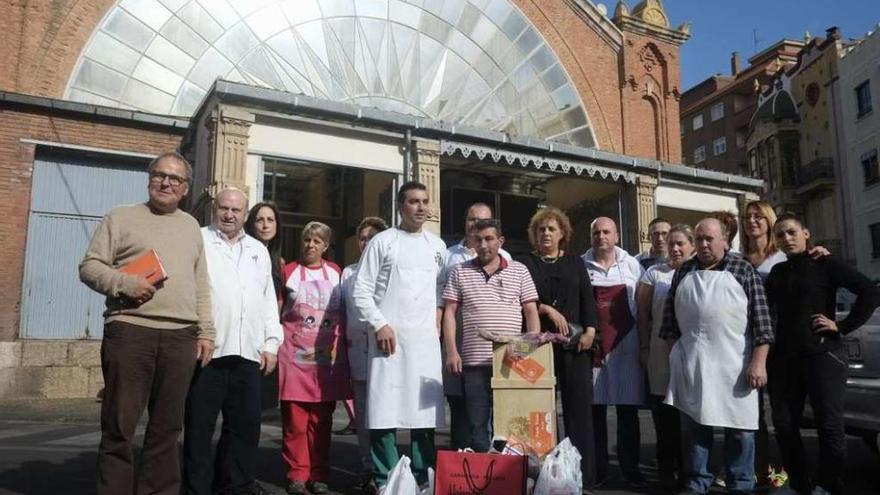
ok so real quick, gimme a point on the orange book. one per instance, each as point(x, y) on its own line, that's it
point(146, 265)
point(541, 437)
point(525, 367)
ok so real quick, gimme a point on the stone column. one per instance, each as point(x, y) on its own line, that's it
point(426, 169)
point(643, 209)
point(229, 148)
point(742, 200)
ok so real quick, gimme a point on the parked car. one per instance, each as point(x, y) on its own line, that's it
point(862, 402)
point(862, 406)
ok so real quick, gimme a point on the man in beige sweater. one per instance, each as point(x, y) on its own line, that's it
point(153, 335)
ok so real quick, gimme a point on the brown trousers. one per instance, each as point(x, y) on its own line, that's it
point(143, 367)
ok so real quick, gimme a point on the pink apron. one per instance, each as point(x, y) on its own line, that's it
point(312, 360)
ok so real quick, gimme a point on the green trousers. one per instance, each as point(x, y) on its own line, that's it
point(383, 450)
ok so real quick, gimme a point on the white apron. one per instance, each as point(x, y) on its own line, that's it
point(708, 363)
point(405, 389)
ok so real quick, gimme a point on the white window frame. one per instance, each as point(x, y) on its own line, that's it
point(697, 122)
point(719, 146)
point(700, 154)
point(717, 111)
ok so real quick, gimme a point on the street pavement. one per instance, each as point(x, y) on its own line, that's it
point(49, 448)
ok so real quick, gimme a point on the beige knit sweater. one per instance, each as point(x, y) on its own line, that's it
point(126, 232)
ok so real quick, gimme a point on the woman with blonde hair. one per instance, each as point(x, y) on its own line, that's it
point(313, 370)
point(759, 247)
point(566, 305)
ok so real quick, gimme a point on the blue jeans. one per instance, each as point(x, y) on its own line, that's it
point(739, 457)
point(478, 401)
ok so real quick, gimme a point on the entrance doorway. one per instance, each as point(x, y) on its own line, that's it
point(335, 195)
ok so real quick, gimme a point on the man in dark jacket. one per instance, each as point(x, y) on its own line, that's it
point(809, 357)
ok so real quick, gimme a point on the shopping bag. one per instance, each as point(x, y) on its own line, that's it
point(429, 490)
point(561, 472)
point(401, 480)
point(471, 473)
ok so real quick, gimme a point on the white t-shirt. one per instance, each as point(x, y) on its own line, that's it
point(768, 264)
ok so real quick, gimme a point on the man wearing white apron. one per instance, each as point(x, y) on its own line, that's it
point(395, 292)
point(618, 378)
point(717, 314)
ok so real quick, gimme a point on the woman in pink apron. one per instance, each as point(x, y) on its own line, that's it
point(312, 362)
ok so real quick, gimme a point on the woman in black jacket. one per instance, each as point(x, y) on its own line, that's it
point(566, 302)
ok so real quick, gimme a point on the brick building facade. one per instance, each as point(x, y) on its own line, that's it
point(715, 114)
point(601, 149)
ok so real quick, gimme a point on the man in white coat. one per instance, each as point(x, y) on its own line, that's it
point(248, 335)
point(618, 378)
point(396, 293)
point(717, 315)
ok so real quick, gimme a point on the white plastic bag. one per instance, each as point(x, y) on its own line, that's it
point(572, 459)
point(429, 490)
point(401, 480)
point(561, 472)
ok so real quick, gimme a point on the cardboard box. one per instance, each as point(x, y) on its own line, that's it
point(521, 365)
point(524, 396)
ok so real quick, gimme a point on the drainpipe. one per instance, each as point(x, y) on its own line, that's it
point(407, 156)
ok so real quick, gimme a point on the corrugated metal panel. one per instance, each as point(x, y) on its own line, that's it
point(68, 200)
point(85, 187)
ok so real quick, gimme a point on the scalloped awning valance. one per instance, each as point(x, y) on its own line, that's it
point(524, 160)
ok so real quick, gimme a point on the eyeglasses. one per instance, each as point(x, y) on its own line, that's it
point(174, 180)
point(754, 217)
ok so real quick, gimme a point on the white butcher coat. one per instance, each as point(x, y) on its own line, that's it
point(397, 284)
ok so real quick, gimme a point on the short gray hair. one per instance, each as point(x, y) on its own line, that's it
point(174, 156)
point(322, 230)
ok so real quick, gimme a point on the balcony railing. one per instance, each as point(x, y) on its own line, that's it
point(820, 168)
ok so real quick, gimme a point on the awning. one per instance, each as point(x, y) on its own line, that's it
point(524, 160)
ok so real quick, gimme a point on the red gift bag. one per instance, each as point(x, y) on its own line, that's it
point(470, 473)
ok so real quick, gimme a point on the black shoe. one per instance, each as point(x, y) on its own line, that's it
point(370, 488)
point(667, 482)
point(635, 480)
point(297, 488)
point(349, 429)
point(317, 487)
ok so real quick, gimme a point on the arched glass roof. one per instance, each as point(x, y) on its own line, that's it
point(473, 62)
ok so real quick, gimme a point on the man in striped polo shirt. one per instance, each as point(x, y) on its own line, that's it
point(493, 294)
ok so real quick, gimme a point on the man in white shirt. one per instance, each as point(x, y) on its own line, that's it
point(453, 384)
point(396, 294)
point(248, 335)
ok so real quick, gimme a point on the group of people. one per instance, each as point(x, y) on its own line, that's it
point(689, 329)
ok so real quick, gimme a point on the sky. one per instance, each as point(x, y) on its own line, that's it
point(719, 27)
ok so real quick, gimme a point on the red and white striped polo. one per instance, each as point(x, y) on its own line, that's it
point(490, 302)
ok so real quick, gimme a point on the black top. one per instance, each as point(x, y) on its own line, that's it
point(277, 271)
point(801, 287)
point(565, 285)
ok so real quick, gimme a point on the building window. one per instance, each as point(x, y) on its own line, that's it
point(700, 154)
point(863, 98)
point(875, 239)
point(698, 122)
point(741, 137)
point(870, 167)
point(717, 111)
point(719, 146)
point(681, 127)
